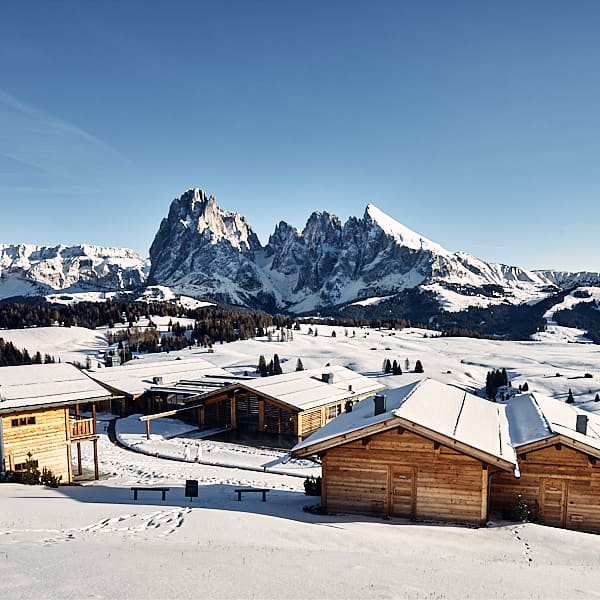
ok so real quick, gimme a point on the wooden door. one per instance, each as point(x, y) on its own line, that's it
point(552, 501)
point(402, 492)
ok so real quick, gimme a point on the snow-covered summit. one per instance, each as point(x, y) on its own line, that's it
point(405, 236)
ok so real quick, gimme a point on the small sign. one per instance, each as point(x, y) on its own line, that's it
point(191, 488)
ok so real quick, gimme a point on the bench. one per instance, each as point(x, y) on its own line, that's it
point(163, 491)
point(240, 491)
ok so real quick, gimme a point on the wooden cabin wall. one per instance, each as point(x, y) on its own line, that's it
point(404, 475)
point(46, 439)
point(564, 483)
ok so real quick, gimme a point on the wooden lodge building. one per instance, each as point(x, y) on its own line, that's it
point(431, 451)
point(280, 409)
point(39, 414)
point(423, 451)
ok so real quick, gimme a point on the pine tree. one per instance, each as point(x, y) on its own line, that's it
point(406, 364)
point(419, 367)
point(597, 398)
point(525, 387)
point(388, 366)
point(276, 366)
point(262, 366)
point(299, 365)
point(570, 399)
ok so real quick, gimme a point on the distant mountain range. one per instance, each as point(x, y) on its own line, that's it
point(203, 251)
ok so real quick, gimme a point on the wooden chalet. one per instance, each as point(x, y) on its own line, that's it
point(558, 450)
point(289, 406)
point(39, 414)
point(425, 451)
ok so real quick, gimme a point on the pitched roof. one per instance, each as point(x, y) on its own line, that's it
point(135, 377)
point(436, 409)
point(300, 390)
point(534, 417)
point(33, 386)
point(305, 390)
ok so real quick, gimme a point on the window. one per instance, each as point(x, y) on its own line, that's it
point(23, 466)
point(333, 411)
point(22, 421)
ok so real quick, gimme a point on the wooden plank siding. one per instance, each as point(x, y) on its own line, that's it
point(563, 481)
point(47, 440)
point(407, 475)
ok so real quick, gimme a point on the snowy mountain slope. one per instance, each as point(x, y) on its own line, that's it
point(202, 250)
point(27, 269)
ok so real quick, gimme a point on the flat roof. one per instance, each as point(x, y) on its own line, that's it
point(32, 386)
point(137, 376)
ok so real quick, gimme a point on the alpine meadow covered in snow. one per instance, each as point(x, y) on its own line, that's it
point(217, 546)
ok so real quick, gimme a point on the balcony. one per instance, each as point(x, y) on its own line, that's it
point(82, 429)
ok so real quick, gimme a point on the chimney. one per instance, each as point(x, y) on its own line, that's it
point(327, 377)
point(350, 389)
point(157, 380)
point(581, 424)
point(379, 400)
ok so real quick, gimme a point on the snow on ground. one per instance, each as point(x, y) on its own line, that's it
point(172, 438)
point(76, 297)
point(65, 343)
point(557, 333)
point(95, 541)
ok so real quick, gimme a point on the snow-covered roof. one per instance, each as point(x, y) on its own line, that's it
point(31, 386)
point(304, 390)
point(135, 377)
point(434, 407)
point(534, 417)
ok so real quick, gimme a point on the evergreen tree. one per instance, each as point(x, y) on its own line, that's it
point(406, 364)
point(276, 366)
point(333, 334)
point(525, 387)
point(299, 365)
point(388, 366)
point(419, 367)
point(262, 366)
point(570, 399)
point(597, 398)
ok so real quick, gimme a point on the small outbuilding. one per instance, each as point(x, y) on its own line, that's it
point(35, 417)
point(558, 450)
point(426, 451)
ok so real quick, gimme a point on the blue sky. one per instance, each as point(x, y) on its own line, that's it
point(477, 124)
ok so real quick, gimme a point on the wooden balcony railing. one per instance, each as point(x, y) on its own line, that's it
point(81, 428)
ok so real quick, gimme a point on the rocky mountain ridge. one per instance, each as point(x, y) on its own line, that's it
point(31, 270)
point(203, 251)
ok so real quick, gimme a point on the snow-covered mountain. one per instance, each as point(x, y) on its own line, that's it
point(202, 250)
point(27, 269)
point(205, 252)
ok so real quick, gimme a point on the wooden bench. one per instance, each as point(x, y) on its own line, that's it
point(162, 490)
point(240, 491)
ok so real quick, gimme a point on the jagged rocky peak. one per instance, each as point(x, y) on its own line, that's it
point(322, 228)
point(282, 238)
point(196, 212)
